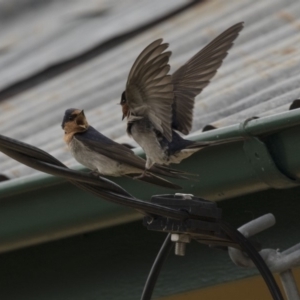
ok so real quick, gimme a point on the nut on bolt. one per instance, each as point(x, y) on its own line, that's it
point(180, 242)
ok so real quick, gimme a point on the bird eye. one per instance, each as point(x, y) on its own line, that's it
point(72, 117)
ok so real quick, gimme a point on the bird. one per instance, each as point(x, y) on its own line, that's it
point(158, 105)
point(105, 157)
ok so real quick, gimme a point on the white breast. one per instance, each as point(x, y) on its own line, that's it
point(95, 161)
point(146, 138)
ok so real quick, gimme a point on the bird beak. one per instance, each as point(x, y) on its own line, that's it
point(123, 117)
point(81, 121)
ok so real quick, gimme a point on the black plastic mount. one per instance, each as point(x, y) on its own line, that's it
point(202, 226)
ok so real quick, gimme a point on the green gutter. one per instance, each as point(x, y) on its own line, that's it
point(40, 207)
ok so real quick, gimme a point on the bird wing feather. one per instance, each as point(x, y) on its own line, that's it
point(149, 90)
point(96, 141)
point(191, 78)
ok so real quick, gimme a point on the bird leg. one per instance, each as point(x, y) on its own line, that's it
point(149, 164)
point(95, 173)
point(144, 174)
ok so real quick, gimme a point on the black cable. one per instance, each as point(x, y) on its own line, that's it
point(63, 171)
point(99, 186)
point(110, 191)
point(265, 272)
point(161, 257)
point(29, 150)
point(237, 237)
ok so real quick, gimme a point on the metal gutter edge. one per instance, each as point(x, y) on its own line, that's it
point(255, 127)
point(26, 184)
point(275, 126)
point(42, 208)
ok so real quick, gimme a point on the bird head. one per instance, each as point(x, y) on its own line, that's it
point(74, 121)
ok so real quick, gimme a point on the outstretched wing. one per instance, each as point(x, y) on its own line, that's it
point(149, 90)
point(190, 79)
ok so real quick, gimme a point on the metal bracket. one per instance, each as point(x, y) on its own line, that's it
point(204, 227)
point(262, 162)
point(279, 262)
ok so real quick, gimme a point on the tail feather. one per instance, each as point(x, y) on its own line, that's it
point(156, 180)
point(203, 144)
point(169, 172)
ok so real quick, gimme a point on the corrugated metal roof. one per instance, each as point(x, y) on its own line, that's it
point(54, 31)
point(259, 77)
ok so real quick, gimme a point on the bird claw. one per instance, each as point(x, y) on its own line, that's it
point(143, 175)
point(94, 173)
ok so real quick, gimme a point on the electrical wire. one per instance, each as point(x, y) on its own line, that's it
point(28, 155)
point(161, 257)
point(255, 257)
point(236, 236)
point(110, 191)
point(99, 186)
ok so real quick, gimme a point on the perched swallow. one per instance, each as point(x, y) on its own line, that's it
point(156, 104)
point(106, 157)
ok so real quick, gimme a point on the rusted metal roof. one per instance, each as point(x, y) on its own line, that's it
point(259, 77)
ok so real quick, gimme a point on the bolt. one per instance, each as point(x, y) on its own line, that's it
point(180, 249)
point(180, 243)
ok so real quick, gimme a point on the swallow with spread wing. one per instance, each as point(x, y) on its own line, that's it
point(106, 157)
point(157, 105)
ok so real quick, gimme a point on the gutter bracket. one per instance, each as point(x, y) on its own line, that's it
point(262, 162)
